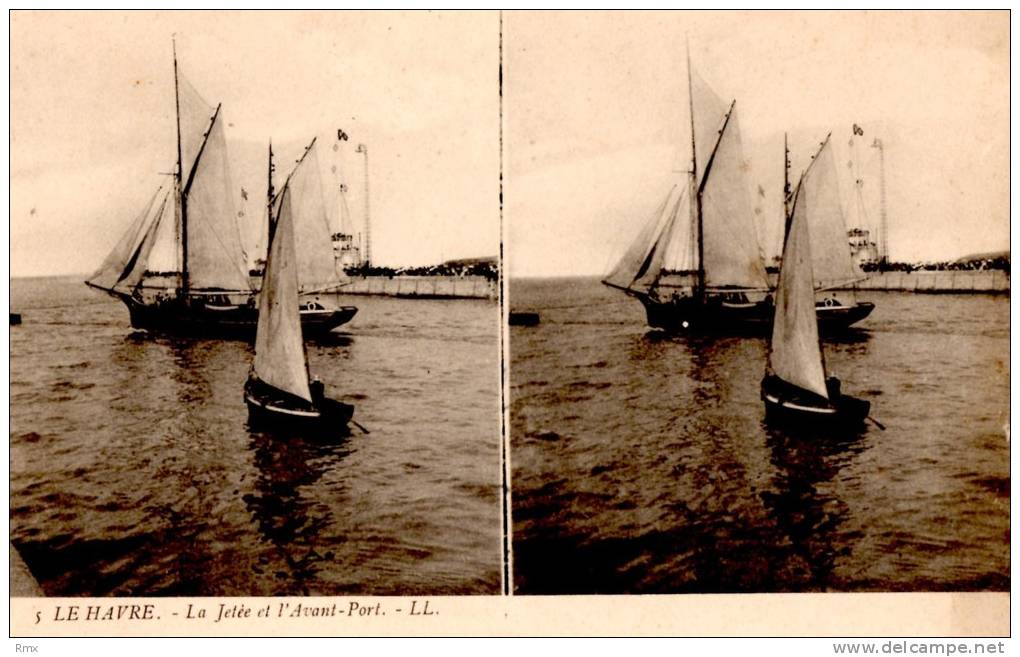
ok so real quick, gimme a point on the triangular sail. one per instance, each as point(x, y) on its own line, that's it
point(830, 249)
point(651, 269)
point(280, 357)
point(215, 257)
point(140, 261)
point(708, 111)
point(165, 253)
point(732, 257)
point(313, 234)
point(116, 264)
point(194, 114)
point(627, 269)
point(795, 355)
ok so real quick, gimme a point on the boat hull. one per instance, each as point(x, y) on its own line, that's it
point(802, 409)
point(839, 317)
point(280, 413)
point(687, 315)
point(176, 318)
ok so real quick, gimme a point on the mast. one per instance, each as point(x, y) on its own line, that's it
point(182, 226)
point(269, 195)
point(367, 259)
point(695, 203)
point(786, 188)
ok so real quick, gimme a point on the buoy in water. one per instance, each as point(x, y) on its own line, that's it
point(523, 319)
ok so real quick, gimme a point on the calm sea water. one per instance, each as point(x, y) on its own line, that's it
point(641, 463)
point(133, 471)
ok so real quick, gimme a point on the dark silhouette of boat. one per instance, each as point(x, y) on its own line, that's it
point(278, 391)
point(795, 389)
point(521, 318)
point(180, 268)
point(706, 223)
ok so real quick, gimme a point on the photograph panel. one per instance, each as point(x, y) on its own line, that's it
point(759, 301)
point(282, 374)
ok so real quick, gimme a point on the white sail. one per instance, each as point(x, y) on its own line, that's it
point(165, 252)
point(628, 269)
point(280, 357)
point(729, 237)
point(139, 263)
point(215, 257)
point(731, 256)
point(194, 115)
point(708, 112)
point(313, 234)
point(651, 269)
point(830, 249)
point(118, 261)
point(795, 355)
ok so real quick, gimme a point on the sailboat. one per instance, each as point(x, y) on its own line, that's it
point(180, 267)
point(319, 273)
point(832, 263)
point(278, 391)
point(795, 388)
point(722, 285)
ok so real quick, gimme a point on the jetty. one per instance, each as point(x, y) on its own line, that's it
point(927, 281)
point(424, 287)
point(938, 281)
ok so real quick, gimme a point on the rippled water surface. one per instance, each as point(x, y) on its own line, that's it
point(133, 471)
point(641, 463)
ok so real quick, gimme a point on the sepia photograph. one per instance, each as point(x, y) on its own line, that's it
point(254, 340)
point(758, 301)
point(404, 323)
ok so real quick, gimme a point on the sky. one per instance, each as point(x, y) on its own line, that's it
point(596, 123)
point(93, 127)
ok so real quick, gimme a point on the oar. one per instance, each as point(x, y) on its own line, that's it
point(877, 423)
point(355, 423)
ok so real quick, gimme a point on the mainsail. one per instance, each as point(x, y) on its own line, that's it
point(193, 113)
point(795, 355)
point(729, 238)
point(708, 113)
point(833, 265)
point(215, 256)
point(280, 358)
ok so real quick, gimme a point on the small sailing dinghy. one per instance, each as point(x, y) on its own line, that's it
point(795, 389)
point(278, 391)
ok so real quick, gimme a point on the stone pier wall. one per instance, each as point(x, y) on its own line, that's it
point(426, 287)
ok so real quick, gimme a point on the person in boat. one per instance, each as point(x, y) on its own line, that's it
point(318, 390)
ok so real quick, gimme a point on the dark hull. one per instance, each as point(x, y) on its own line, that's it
point(687, 315)
point(176, 318)
point(282, 413)
point(802, 409)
